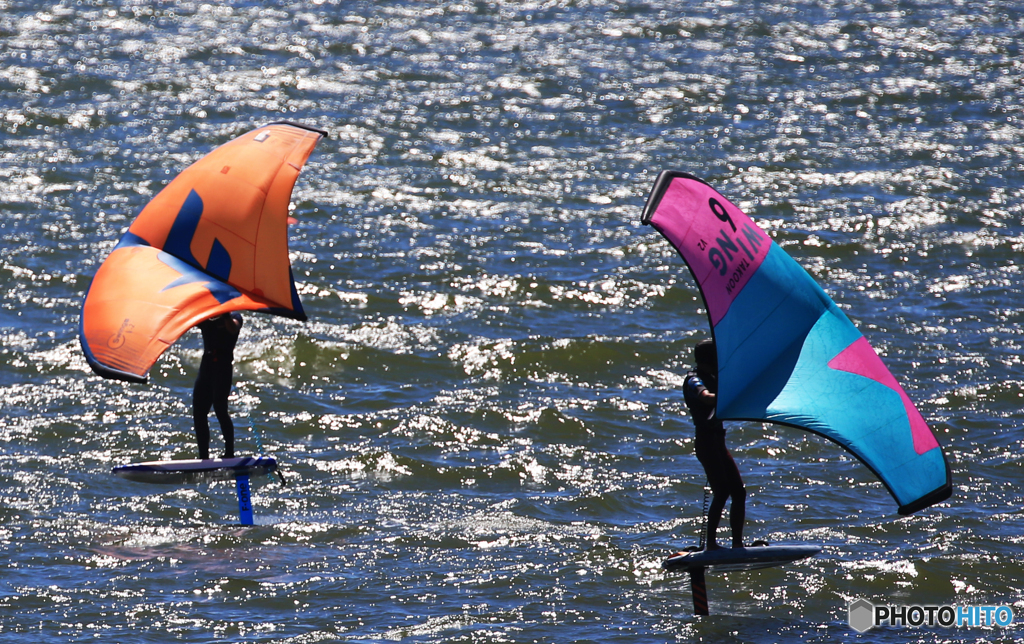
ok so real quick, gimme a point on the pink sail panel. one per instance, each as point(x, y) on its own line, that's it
point(860, 358)
point(722, 246)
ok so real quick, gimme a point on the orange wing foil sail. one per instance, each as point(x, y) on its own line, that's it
point(214, 240)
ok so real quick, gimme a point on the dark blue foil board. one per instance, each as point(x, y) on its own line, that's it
point(730, 559)
point(196, 471)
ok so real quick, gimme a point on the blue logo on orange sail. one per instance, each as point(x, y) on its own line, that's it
point(118, 339)
point(183, 230)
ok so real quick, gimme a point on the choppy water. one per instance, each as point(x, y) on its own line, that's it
point(481, 423)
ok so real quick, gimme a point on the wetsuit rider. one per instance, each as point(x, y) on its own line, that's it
point(700, 391)
point(213, 384)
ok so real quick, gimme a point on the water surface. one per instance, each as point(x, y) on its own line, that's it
point(481, 424)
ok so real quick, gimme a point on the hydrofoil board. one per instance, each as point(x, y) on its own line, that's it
point(196, 471)
point(748, 558)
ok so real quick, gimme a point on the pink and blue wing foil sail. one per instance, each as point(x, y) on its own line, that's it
point(786, 353)
point(214, 240)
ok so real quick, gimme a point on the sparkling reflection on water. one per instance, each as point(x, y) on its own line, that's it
point(481, 424)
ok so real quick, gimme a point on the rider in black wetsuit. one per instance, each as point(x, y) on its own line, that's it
point(700, 393)
point(213, 384)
